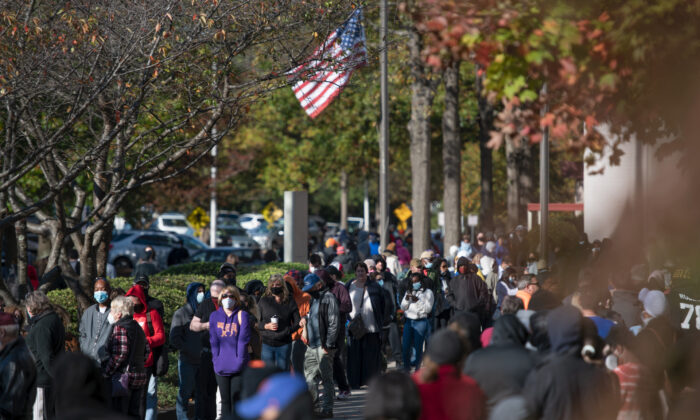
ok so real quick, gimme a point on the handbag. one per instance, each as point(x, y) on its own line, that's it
point(120, 385)
point(357, 327)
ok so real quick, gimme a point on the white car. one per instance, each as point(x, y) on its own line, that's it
point(173, 222)
point(250, 221)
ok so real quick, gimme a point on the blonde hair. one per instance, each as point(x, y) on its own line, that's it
point(233, 291)
point(277, 278)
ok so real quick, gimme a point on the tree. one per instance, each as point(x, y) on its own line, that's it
point(107, 97)
point(452, 157)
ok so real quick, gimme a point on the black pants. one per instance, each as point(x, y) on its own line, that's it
point(442, 319)
point(206, 382)
point(339, 367)
point(364, 359)
point(140, 394)
point(230, 388)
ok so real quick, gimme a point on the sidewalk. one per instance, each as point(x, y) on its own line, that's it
point(352, 407)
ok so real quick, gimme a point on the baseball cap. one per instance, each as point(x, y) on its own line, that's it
point(142, 279)
point(428, 254)
point(310, 281)
point(277, 391)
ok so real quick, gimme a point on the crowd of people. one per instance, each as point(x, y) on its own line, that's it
point(487, 331)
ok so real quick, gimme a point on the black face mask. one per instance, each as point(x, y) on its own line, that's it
point(277, 291)
point(315, 294)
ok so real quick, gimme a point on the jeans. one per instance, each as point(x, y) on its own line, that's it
point(187, 373)
point(318, 363)
point(152, 397)
point(230, 387)
point(277, 356)
point(415, 333)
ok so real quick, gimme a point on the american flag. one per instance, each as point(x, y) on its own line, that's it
point(329, 68)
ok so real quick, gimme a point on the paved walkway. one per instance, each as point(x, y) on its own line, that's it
point(352, 407)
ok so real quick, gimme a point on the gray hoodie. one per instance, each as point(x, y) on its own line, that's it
point(94, 332)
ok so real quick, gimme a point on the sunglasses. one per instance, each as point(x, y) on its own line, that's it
point(226, 296)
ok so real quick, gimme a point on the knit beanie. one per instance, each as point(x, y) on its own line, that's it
point(655, 303)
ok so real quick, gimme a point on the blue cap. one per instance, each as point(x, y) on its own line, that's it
point(310, 281)
point(277, 391)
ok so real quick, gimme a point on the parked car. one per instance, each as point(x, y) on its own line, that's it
point(173, 222)
point(246, 256)
point(267, 237)
point(191, 243)
point(251, 220)
point(234, 236)
point(127, 248)
point(227, 218)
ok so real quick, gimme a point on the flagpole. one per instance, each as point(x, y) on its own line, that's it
point(384, 134)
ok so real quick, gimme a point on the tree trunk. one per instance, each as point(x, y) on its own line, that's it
point(422, 94)
point(513, 183)
point(485, 127)
point(21, 235)
point(451, 158)
point(526, 179)
point(343, 200)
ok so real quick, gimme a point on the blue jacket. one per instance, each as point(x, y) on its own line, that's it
point(229, 337)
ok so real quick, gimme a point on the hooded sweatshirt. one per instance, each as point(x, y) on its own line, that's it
point(155, 336)
point(229, 336)
point(186, 341)
point(501, 368)
point(563, 385)
point(303, 301)
point(467, 293)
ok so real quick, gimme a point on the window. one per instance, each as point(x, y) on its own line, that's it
point(120, 237)
point(174, 222)
point(159, 240)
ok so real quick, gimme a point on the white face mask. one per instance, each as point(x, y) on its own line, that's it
point(227, 303)
point(200, 297)
point(611, 362)
point(110, 318)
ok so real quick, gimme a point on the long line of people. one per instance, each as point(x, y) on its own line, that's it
point(483, 338)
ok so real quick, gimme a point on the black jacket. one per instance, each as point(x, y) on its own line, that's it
point(186, 341)
point(501, 368)
point(563, 385)
point(46, 341)
point(17, 381)
point(288, 314)
point(329, 320)
point(138, 351)
point(468, 293)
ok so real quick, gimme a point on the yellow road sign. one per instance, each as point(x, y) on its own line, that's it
point(198, 219)
point(402, 212)
point(271, 213)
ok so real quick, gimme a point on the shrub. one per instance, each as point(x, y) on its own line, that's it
point(169, 286)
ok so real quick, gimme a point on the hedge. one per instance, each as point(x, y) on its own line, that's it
point(169, 286)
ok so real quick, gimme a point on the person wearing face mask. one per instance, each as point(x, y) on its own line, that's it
point(128, 351)
point(279, 318)
point(17, 371)
point(442, 318)
point(468, 293)
point(507, 286)
point(147, 266)
point(364, 353)
point(416, 304)
point(189, 345)
point(229, 336)
point(152, 325)
point(94, 329)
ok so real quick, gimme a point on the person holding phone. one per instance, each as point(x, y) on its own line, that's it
point(417, 304)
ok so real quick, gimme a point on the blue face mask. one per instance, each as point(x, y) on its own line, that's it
point(381, 283)
point(428, 265)
point(416, 286)
point(200, 297)
point(100, 296)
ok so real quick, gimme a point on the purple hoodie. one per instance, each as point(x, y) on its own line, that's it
point(229, 337)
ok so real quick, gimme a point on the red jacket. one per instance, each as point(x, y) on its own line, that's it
point(452, 396)
point(155, 338)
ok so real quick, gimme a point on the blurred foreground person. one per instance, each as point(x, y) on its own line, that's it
point(17, 372)
point(282, 396)
point(392, 396)
point(564, 386)
point(445, 392)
